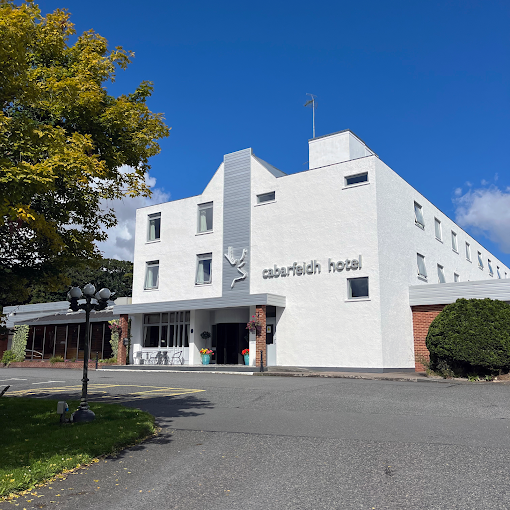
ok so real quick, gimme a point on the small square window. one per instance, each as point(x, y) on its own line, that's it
point(205, 217)
point(204, 269)
point(266, 197)
point(455, 247)
point(356, 179)
point(456, 277)
point(440, 274)
point(154, 227)
point(437, 229)
point(468, 252)
point(489, 265)
point(152, 275)
point(422, 270)
point(357, 287)
point(418, 215)
point(480, 261)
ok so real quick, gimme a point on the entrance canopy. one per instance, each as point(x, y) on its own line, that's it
point(202, 304)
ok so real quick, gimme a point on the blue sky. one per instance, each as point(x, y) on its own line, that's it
point(424, 84)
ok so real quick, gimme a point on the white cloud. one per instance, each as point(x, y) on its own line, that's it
point(121, 238)
point(458, 192)
point(484, 182)
point(486, 210)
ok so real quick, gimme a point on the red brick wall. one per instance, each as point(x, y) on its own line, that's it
point(260, 314)
point(422, 319)
point(121, 353)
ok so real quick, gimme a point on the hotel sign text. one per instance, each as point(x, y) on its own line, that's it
point(313, 267)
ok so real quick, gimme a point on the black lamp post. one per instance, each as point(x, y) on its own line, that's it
point(93, 301)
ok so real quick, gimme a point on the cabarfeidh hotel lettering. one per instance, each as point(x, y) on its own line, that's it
point(312, 268)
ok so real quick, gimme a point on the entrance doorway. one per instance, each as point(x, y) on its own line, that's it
point(230, 340)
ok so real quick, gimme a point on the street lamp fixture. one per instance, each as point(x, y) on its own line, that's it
point(93, 301)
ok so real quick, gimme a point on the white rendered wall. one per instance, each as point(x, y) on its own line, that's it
point(315, 218)
point(179, 246)
point(399, 242)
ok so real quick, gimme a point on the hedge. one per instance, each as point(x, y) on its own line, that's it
point(471, 334)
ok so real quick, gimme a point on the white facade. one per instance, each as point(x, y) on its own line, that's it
point(317, 217)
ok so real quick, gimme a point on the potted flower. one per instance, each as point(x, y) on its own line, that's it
point(206, 356)
point(246, 354)
point(254, 325)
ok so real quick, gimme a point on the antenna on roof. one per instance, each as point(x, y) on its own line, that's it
point(313, 105)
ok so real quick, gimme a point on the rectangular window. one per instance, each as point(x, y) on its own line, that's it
point(205, 217)
point(204, 267)
point(152, 275)
point(357, 287)
point(489, 265)
point(356, 179)
point(499, 274)
point(468, 252)
point(440, 274)
point(154, 227)
point(456, 277)
point(480, 261)
point(437, 229)
point(266, 197)
point(422, 270)
point(455, 247)
point(159, 333)
point(418, 215)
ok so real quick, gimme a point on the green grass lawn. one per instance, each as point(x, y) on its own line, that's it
point(34, 446)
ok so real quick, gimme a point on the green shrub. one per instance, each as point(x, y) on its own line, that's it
point(471, 336)
point(8, 358)
point(109, 361)
point(19, 341)
point(56, 359)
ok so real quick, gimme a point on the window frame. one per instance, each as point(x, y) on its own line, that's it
point(468, 252)
point(455, 242)
point(440, 274)
point(349, 289)
point(417, 222)
point(456, 277)
point(261, 198)
point(149, 264)
point(480, 260)
point(150, 217)
point(204, 207)
point(498, 273)
point(354, 176)
point(178, 325)
point(201, 257)
point(489, 266)
point(420, 275)
point(437, 227)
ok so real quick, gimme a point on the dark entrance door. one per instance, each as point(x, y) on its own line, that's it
point(230, 341)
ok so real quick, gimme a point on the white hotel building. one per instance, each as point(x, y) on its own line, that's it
point(325, 258)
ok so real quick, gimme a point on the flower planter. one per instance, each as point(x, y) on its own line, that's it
point(206, 359)
point(246, 359)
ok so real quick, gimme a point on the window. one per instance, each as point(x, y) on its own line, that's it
point(497, 271)
point(152, 275)
point(168, 329)
point(480, 261)
point(440, 274)
point(456, 277)
point(489, 265)
point(422, 270)
point(204, 263)
point(154, 227)
point(455, 248)
point(356, 179)
point(357, 287)
point(437, 228)
point(205, 217)
point(468, 252)
point(266, 197)
point(418, 215)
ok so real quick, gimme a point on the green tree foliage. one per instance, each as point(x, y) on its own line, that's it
point(63, 141)
point(471, 335)
point(19, 342)
point(116, 275)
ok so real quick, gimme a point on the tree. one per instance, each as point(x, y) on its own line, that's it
point(116, 275)
point(64, 144)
